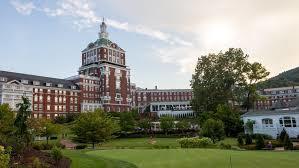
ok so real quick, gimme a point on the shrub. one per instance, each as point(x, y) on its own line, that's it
point(282, 135)
point(225, 146)
point(276, 143)
point(46, 146)
point(36, 163)
point(248, 139)
point(195, 142)
point(265, 136)
point(249, 147)
point(260, 143)
point(287, 144)
point(240, 140)
point(56, 154)
point(83, 146)
point(37, 146)
point(4, 157)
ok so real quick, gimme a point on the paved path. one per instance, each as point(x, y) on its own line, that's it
point(68, 144)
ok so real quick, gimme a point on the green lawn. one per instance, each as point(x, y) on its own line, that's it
point(181, 158)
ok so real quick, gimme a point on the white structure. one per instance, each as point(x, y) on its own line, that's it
point(179, 109)
point(11, 92)
point(273, 122)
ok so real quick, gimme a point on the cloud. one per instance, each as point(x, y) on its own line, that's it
point(24, 8)
point(85, 17)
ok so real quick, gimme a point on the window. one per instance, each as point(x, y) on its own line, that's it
point(35, 98)
point(48, 107)
point(24, 81)
point(41, 107)
point(287, 122)
point(48, 98)
point(36, 82)
point(49, 84)
point(267, 122)
point(60, 85)
point(40, 98)
point(3, 79)
point(35, 107)
point(56, 99)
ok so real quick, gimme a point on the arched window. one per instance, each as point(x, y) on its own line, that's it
point(287, 122)
point(267, 122)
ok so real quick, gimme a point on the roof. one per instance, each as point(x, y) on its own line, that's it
point(271, 112)
point(102, 42)
point(43, 80)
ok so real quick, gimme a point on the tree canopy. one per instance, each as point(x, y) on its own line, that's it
point(94, 127)
point(224, 78)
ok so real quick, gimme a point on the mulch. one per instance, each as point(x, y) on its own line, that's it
point(26, 159)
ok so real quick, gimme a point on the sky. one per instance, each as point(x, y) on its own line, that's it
point(162, 39)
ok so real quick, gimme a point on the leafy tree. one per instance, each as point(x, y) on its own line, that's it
point(166, 123)
point(6, 124)
point(224, 78)
point(231, 120)
point(256, 73)
point(260, 142)
point(183, 125)
point(213, 129)
point(249, 126)
point(127, 121)
point(49, 129)
point(23, 133)
point(94, 127)
point(145, 124)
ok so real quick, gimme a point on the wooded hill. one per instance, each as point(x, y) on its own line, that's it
point(284, 79)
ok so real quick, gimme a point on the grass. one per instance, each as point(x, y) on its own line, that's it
point(145, 142)
point(177, 158)
point(81, 159)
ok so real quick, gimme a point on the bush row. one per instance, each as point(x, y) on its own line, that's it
point(45, 146)
point(195, 142)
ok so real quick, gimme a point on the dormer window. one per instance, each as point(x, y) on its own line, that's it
point(36, 83)
point(3, 79)
point(73, 87)
point(60, 85)
point(24, 81)
point(49, 84)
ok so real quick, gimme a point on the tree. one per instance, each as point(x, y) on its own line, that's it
point(127, 122)
point(145, 124)
point(240, 140)
point(256, 73)
point(223, 78)
point(213, 129)
point(249, 126)
point(22, 132)
point(49, 129)
point(94, 127)
point(166, 123)
point(6, 124)
point(182, 125)
point(231, 120)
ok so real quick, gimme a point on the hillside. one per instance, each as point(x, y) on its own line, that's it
point(287, 78)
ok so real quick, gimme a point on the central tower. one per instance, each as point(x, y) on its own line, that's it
point(105, 61)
